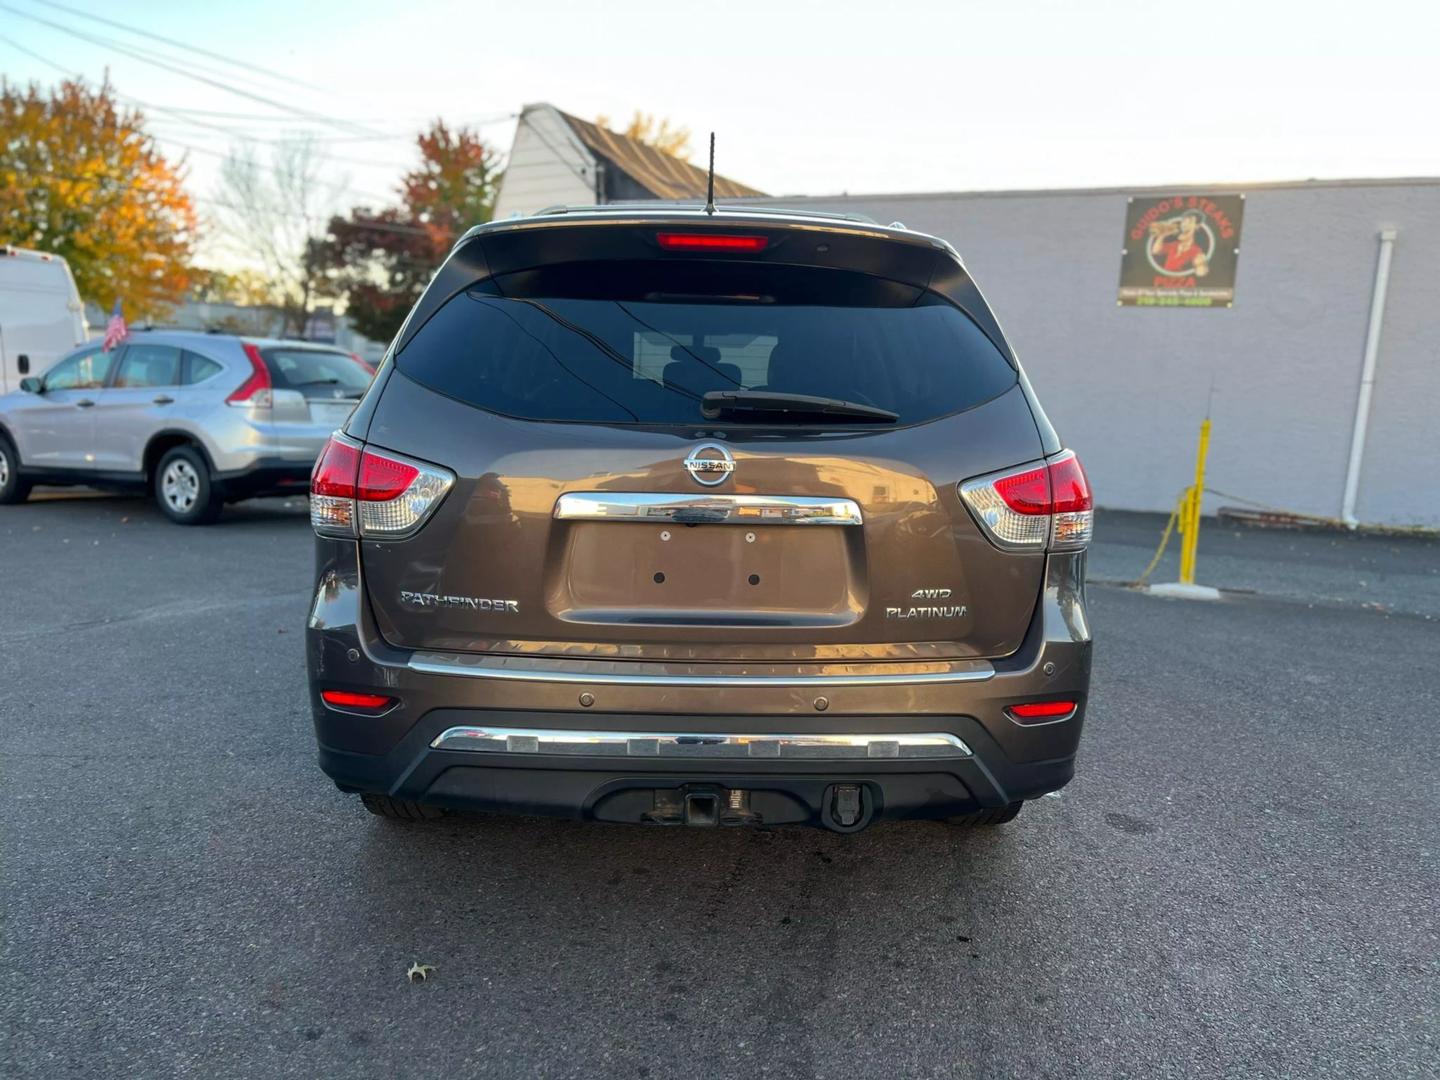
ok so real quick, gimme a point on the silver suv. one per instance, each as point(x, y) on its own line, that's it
point(197, 419)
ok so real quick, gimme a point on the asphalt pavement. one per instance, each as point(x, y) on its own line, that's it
point(1241, 881)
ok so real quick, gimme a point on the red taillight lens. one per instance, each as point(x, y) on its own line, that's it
point(1035, 712)
point(256, 389)
point(1025, 492)
point(383, 478)
point(336, 470)
point(1069, 487)
point(358, 490)
point(671, 241)
point(1039, 507)
point(350, 699)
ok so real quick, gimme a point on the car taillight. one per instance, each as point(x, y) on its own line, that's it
point(1046, 506)
point(1041, 712)
point(671, 241)
point(257, 389)
point(358, 490)
point(350, 699)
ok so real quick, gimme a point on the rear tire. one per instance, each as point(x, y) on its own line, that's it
point(399, 809)
point(14, 488)
point(184, 489)
point(998, 815)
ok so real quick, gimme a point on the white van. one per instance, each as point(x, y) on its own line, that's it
point(41, 317)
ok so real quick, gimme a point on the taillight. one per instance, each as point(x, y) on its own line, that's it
point(350, 699)
point(671, 241)
point(1041, 712)
point(358, 490)
point(1039, 507)
point(256, 390)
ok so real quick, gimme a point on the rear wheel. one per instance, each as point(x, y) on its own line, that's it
point(13, 487)
point(998, 815)
point(399, 809)
point(183, 488)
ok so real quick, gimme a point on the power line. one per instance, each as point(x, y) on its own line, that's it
point(206, 151)
point(188, 116)
point(247, 65)
point(171, 67)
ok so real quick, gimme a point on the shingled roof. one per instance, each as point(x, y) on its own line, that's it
point(661, 174)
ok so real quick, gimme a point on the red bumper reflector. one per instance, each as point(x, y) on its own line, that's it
point(672, 241)
point(1041, 710)
point(349, 699)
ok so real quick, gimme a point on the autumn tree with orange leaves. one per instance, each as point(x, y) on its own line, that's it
point(380, 260)
point(80, 178)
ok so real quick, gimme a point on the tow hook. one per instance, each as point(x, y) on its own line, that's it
point(847, 807)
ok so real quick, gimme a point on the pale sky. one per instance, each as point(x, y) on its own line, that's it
point(806, 97)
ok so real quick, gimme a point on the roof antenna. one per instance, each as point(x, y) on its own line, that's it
point(710, 193)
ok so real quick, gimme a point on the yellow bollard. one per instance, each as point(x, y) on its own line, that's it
point(1190, 517)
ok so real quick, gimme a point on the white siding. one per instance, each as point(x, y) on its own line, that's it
point(548, 166)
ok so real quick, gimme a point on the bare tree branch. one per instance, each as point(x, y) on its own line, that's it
point(274, 213)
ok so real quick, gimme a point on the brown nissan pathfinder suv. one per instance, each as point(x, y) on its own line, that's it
point(659, 515)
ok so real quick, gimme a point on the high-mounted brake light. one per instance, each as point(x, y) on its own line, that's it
point(671, 241)
point(350, 699)
point(1040, 712)
point(256, 390)
point(357, 490)
point(1039, 507)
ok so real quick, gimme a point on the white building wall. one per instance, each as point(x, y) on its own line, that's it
point(1127, 387)
point(548, 166)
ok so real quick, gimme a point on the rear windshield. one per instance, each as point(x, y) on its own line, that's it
point(316, 372)
point(643, 342)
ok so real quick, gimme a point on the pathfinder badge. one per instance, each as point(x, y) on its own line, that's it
point(473, 603)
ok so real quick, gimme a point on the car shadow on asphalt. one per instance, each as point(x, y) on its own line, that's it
point(86, 503)
point(556, 881)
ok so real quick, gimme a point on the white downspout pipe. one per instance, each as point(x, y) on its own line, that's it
point(1367, 379)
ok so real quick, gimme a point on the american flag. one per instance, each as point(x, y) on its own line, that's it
point(115, 330)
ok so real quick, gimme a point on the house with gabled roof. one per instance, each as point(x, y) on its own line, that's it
point(559, 159)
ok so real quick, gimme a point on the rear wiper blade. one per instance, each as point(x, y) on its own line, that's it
point(720, 401)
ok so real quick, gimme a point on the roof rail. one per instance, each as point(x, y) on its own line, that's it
point(665, 204)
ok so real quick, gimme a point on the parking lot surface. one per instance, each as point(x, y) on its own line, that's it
point(1241, 881)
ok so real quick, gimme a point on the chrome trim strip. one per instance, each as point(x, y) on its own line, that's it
point(707, 508)
point(527, 669)
point(681, 744)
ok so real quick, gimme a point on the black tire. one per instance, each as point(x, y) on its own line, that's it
point(998, 815)
point(14, 488)
point(399, 809)
point(184, 490)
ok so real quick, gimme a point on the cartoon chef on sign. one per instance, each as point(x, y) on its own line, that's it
point(1181, 245)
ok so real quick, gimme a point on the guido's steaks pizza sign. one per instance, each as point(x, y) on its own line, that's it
point(1181, 251)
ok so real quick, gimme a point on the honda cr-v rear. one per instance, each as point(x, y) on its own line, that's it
point(653, 515)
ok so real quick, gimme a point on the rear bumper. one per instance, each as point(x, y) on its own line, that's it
point(932, 746)
point(267, 476)
point(637, 787)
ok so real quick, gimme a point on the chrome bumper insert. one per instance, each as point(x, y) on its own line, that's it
point(707, 509)
point(671, 744)
point(648, 673)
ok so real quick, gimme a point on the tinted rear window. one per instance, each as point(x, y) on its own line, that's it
point(315, 371)
point(642, 342)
